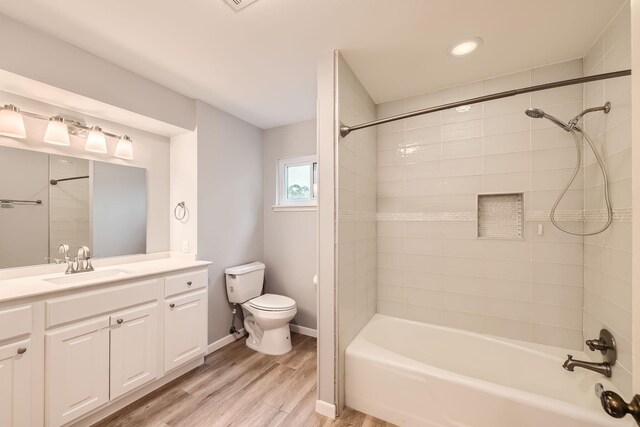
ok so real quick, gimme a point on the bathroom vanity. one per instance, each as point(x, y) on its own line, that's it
point(76, 348)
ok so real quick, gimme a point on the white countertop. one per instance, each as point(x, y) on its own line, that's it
point(35, 285)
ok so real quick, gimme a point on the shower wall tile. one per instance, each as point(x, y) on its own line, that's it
point(607, 256)
point(357, 195)
point(438, 271)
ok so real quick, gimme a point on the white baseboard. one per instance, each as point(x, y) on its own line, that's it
point(303, 330)
point(326, 409)
point(225, 341)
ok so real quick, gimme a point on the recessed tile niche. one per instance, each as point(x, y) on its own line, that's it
point(500, 216)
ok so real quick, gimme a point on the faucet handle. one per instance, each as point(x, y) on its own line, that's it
point(63, 249)
point(598, 344)
point(84, 253)
point(606, 344)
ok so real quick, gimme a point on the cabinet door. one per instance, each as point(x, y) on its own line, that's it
point(134, 348)
point(185, 329)
point(77, 370)
point(15, 384)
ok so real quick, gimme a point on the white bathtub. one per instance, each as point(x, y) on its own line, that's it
point(416, 374)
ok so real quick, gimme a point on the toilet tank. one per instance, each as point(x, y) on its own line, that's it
point(244, 282)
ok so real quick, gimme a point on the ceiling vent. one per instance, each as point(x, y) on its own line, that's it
point(239, 4)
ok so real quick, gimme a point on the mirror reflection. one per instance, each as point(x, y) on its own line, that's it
point(48, 199)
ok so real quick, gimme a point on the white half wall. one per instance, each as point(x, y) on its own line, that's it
point(184, 188)
point(327, 138)
point(290, 244)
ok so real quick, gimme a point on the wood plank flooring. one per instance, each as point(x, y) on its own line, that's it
point(237, 386)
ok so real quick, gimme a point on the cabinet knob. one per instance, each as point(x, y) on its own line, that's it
point(119, 321)
point(172, 305)
point(22, 350)
point(189, 283)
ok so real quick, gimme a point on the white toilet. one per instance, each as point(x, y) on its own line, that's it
point(266, 317)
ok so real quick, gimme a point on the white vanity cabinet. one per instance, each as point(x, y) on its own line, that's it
point(16, 358)
point(102, 347)
point(15, 384)
point(77, 370)
point(134, 348)
point(183, 340)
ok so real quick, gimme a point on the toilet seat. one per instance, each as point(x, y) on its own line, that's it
point(272, 302)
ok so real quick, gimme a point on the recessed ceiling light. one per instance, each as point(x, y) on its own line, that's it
point(465, 47)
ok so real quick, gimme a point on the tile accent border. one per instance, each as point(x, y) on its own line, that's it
point(619, 215)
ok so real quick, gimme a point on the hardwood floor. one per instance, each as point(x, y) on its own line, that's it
point(237, 386)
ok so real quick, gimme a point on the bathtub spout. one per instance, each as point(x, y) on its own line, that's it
point(602, 368)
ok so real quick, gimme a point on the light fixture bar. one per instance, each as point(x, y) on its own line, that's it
point(71, 124)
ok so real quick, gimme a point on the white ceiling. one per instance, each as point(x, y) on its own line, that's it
point(260, 63)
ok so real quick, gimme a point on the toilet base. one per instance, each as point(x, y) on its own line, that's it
point(274, 342)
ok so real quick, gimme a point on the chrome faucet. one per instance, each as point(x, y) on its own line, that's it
point(64, 250)
point(603, 368)
point(83, 260)
point(79, 264)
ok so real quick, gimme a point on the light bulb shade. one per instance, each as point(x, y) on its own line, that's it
point(124, 149)
point(57, 132)
point(11, 122)
point(96, 141)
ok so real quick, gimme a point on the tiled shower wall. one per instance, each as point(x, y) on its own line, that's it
point(356, 215)
point(431, 265)
point(607, 256)
point(69, 204)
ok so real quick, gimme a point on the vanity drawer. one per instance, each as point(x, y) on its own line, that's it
point(184, 282)
point(15, 321)
point(90, 304)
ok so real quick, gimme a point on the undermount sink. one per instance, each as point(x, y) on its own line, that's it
point(85, 277)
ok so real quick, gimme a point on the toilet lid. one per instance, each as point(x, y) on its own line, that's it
point(272, 302)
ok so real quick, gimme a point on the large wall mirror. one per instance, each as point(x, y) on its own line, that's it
point(47, 199)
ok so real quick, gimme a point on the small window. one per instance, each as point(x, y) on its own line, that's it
point(297, 181)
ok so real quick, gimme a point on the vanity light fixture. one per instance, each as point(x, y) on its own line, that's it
point(96, 141)
point(59, 128)
point(57, 132)
point(465, 47)
point(12, 122)
point(124, 149)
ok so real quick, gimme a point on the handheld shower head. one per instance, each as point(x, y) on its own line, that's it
point(536, 113)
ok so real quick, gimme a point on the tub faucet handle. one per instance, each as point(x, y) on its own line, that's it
point(596, 345)
point(606, 344)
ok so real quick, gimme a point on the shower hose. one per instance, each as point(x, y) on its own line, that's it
point(605, 179)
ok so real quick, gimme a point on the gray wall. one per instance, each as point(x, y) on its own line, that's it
point(230, 228)
point(119, 210)
point(24, 175)
point(289, 237)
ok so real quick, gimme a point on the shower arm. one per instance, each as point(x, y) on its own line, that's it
point(346, 130)
point(573, 122)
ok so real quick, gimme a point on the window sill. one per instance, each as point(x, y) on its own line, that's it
point(294, 208)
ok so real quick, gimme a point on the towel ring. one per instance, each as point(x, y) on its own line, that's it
point(184, 211)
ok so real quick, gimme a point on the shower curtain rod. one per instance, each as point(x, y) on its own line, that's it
point(56, 181)
point(346, 130)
